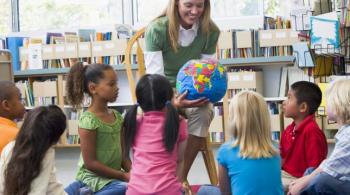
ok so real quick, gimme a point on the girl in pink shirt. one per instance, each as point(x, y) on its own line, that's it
point(157, 139)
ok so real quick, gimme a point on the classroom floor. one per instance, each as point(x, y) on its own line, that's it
point(67, 159)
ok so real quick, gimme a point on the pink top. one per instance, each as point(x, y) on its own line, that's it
point(153, 168)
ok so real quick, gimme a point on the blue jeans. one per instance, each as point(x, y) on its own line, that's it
point(114, 188)
point(209, 190)
point(324, 184)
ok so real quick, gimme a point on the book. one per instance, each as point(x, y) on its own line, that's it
point(13, 44)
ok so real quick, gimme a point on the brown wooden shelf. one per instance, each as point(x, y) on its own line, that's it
point(216, 143)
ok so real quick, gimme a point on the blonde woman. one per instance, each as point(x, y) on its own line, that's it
point(249, 164)
point(183, 32)
point(333, 175)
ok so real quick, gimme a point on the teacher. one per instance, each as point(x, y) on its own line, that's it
point(183, 32)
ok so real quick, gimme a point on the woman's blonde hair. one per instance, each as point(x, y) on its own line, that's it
point(250, 124)
point(172, 12)
point(338, 100)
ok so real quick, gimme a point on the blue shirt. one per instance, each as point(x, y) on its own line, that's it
point(251, 176)
point(338, 164)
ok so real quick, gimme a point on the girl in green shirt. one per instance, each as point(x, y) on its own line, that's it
point(101, 162)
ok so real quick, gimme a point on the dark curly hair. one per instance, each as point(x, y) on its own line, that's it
point(78, 79)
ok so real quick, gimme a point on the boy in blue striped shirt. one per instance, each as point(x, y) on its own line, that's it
point(333, 175)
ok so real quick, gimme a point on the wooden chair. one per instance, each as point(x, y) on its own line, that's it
point(205, 148)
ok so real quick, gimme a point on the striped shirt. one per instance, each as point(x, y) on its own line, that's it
point(338, 164)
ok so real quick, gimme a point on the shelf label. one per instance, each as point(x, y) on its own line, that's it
point(59, 49)
point(233, 78)
point(248, 77)
point(97, 48)
point(47, 49)
point(109, 45)
point(71, 48)
point(83, 47)
point(266, 35)
point(280, 35)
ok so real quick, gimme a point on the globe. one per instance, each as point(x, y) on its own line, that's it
point(202, 78)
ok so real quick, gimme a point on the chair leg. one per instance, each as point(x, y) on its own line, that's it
point(209, 162)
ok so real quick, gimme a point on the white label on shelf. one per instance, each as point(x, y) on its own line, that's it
point(97, 48)
point(71, 48)
point(248, 77)
point(233, 78)
point(59, 49)
point(266, 35)
point(24, 51)
point(47, 49)
point(83, 47)
point(280, 35)
point(109, 45)
point(293, 34)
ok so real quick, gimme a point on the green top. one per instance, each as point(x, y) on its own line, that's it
point(157, 39)
point(108, 148)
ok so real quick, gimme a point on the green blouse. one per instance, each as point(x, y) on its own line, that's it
point(108, 148)
point(157, 39)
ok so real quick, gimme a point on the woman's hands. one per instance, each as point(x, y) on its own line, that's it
point(180, 101)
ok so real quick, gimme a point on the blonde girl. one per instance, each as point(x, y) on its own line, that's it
point(250, 163)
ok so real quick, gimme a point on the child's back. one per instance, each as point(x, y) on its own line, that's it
point(249, 164)
point(157, 139)
point(153, 167)
point(251, 176)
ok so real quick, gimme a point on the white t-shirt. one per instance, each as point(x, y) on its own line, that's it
point(45, 183)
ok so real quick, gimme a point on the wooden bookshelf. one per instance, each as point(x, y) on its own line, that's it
point(57, 71)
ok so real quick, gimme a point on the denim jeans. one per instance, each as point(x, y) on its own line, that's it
point(324, 184)
point(209, 190)
point(79, 188)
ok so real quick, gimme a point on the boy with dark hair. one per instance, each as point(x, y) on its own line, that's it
point(303, 145)
point(11, 108)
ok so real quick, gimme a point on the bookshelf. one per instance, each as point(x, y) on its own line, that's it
point(258, 61)
point(240, 69)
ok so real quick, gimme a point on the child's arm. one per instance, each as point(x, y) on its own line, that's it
point(224, 181)
point(180, 160)
point(298, 185)
point(126, 162)
point(88, 150)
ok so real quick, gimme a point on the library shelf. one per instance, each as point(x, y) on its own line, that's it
point(56, 71)
point(258, 61)
point(216, 143)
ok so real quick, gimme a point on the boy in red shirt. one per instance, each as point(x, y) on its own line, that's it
point(303, 145)
point(11, 108)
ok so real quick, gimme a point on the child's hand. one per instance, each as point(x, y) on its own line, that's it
point(187, 188)
point(180, 101)
point(126, 176)
point(298, 185)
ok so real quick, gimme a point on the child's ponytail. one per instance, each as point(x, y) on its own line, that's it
point(129, 129)
point(79, 78)
point(75, 84)
point(171, 129)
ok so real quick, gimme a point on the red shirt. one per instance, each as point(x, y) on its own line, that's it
point(303, 147)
